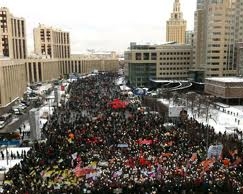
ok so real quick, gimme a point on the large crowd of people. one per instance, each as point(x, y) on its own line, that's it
point(100, 142)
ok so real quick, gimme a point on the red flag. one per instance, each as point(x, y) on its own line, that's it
point(145, 141)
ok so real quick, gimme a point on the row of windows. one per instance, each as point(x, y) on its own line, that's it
point(176, 63)
point(174, 68)
point(175, 58)
point(176, 53)
point(175, 73)
point(146, 56)
point(153, 56)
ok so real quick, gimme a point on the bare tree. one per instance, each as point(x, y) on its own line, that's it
point(167, 95)
point(199, 102)
point(207, 103)
point(175, 97)
point(191, 97)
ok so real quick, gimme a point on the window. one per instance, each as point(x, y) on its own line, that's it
point(138, 56)
point(145, 56)
point(153, 56)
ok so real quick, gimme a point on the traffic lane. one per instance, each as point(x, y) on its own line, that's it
point(13, 126)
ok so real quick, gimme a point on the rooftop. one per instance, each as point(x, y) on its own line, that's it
point(226, 79)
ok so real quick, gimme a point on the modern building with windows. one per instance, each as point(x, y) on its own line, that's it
point(176, 25)
point(227, 88)
point(13, 35)
point(162, 62)
point(218, 28)
point(51, 42)
point(51, 60)
point(239, 60)
point(189, 37)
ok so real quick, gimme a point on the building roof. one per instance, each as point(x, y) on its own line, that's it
point(226, 79)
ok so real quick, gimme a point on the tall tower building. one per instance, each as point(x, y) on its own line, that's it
point(238, 31)
point(13, 35)
point(176, 25)
point(218, 29)
point(52, 42)
point(1, 46)
point(189, 37)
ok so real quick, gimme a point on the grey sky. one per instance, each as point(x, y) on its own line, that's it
point(101, 24)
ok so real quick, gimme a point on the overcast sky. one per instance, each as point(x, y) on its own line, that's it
point(101, 24)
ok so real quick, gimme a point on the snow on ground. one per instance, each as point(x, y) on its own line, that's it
point(120, 80)
point(13, 120)
point(6, 164)
point(124, 88)
point(222, 120)
point(43, 88)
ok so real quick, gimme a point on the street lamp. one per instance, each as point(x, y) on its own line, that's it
point(49, 98)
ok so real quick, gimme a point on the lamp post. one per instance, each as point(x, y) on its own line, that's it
point(7, 154)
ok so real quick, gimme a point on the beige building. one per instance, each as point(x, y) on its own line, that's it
point(41, 70)
point(84, 66)
point(239, 59)
point(13, 35)
point(163, 62)
point(225, 87)
point(218, 28)
point(176, 25)
point(51, 42)
point(51, 60)
point(91, 54)
point(12, 80)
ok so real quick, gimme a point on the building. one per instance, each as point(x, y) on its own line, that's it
point(50, 61)
point(12, 80)
point(41, 70)
point(91, 54)
point(225, 87)
point(217, 30)
point(176, 25)
point(51, 42)
point(239, 60)
point(166, 62)
point(84, 66)
point(238, 32)
point(237, 20)
point(189, 38)
point(13, 35)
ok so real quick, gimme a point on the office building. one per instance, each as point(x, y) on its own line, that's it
point(225, 87)
point(12, 80)
point(51, 42)
point(239, 60)
point(218, 29)
point(50, 61)
point(164, 62)
point(176, 25)
point(13, 35)
point(189, 37)
point(41, 70)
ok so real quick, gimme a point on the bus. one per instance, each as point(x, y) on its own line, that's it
point(5, 119)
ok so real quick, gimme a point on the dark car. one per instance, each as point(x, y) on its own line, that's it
point(27, 103)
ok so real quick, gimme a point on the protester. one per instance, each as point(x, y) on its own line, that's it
point(99, 142)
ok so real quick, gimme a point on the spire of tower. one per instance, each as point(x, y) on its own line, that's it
point(176, 14)
point(177, 5)
point(176, 25)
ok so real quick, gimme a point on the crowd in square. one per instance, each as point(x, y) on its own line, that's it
point(100, 142)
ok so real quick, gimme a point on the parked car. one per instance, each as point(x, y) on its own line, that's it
point(26, 103)
point(17, 110)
